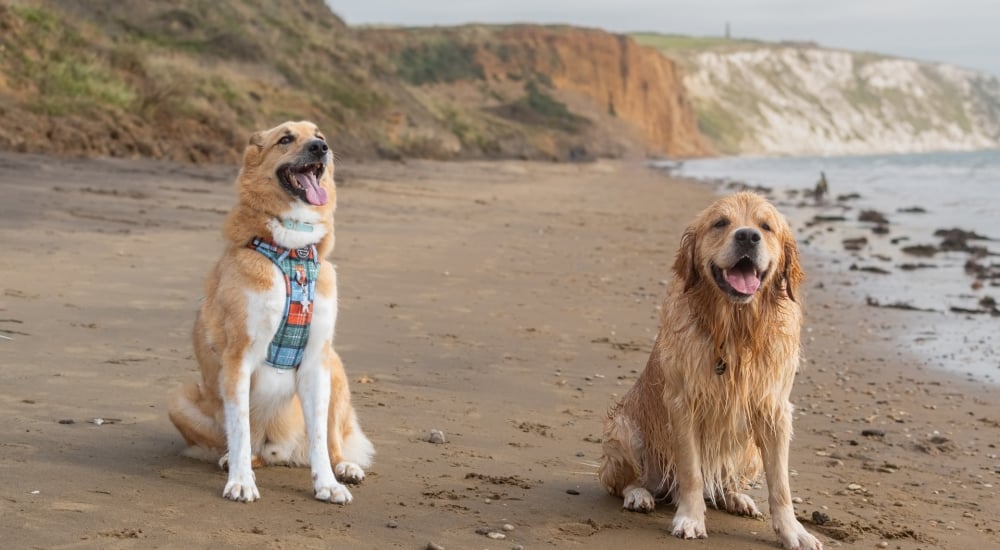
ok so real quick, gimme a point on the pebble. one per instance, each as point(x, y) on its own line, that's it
point(518, 547)
point(883, 544)
point(67, 421)
point(819, 518)
point(507, 527)
point(437, 437)
point(572, 492)
point(433, 546)
point(496, 535)
point(853, 487)
point(797, 500)
point(392, 524)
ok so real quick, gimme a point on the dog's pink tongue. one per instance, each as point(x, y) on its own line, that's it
point(315, 194)
point(744, 281)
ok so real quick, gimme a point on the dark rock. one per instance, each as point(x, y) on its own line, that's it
point(923, 250)
point(820, 518)
point(873, 216)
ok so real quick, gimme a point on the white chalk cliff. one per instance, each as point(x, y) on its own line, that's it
point(789, 100)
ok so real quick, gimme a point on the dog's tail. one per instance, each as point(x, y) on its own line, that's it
point(356, 447)
point(203, 435)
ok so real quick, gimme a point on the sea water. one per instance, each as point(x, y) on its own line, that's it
point(954, 190)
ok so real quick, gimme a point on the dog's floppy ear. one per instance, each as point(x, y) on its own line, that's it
point(253, 149)
point(685, 265)
point(791, 271)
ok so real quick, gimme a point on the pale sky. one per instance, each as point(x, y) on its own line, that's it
point(960, 32)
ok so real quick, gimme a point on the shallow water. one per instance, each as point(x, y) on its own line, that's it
point(957, 190)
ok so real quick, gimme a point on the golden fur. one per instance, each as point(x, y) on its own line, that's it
point(712, 405)
point(242, 306)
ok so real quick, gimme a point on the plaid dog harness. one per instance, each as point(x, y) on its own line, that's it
point(299, 268)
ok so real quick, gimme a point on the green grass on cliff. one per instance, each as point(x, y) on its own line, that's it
point(66, 75)
point(437, 61)
point(694, 44)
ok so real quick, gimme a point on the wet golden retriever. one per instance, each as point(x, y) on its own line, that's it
point(272, 388)
point(713, 401)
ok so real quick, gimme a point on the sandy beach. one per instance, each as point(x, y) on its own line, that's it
point(504, 303)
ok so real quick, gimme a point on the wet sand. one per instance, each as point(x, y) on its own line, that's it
point(505, 304)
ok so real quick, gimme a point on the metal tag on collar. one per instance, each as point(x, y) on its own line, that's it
point(297, 226)
point(720, 367)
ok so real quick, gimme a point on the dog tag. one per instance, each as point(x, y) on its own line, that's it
point(720, 367)
point(304, 299)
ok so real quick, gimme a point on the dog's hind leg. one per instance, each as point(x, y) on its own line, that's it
point(190, 411)
point(740, 504)
point(621, 471)
point(285, 437)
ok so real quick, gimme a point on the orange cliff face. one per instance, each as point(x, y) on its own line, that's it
point(631, 83)
point(635, 83)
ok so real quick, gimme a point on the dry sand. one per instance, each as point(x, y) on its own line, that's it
point(505, 304)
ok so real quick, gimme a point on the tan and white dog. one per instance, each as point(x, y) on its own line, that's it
point(245, 408)
point(713, 401)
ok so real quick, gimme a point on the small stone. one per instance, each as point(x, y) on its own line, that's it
point(796, 500)
point(820, 518)
point(572, 492)
point(433, 546)
point(883, 544)
point(853, 487)
point(67, 421)
point(507, 527)
point(579, 454)
point(482, 530)
point(518, 547)
point(392, 524)
point(496, 535)
point(437, 437)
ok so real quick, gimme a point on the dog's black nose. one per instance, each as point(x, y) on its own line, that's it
point(747, 236)
point(318, 147)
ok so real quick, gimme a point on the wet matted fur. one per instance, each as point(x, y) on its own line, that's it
point(711, 408)
point(242, 409)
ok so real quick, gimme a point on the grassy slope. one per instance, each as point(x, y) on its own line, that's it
point(186, 80)
point(190, 79)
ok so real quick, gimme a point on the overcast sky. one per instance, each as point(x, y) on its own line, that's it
point(961, 32)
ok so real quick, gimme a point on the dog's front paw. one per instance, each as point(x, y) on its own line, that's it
point(349, 472)
point(241, 487)
point(795, 537)
point(742, 505)
point(686, 527)
point(638, 499)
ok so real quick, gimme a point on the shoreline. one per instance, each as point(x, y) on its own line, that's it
point(503, 303)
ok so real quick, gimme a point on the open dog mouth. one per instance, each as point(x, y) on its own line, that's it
point(302, 181)
point(741, 280)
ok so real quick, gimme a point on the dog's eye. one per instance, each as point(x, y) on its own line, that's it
point(721, 223)
point(285, 140)
point(766, 227)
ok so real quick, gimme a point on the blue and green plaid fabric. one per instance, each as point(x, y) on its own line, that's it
point(300, 268)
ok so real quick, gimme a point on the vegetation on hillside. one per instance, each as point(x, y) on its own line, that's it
point(189, 80)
